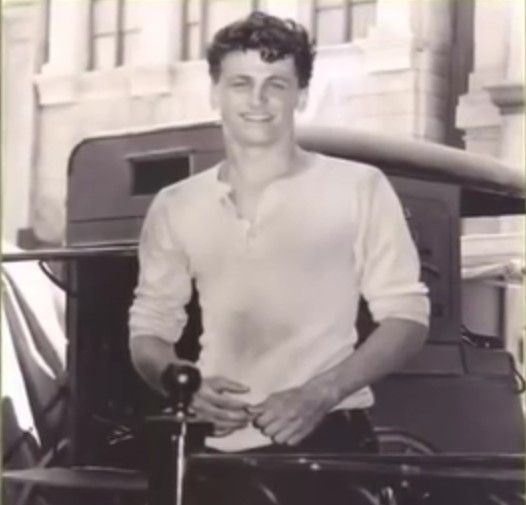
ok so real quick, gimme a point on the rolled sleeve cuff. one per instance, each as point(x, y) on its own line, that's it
point(415, 307)
point(147, 322)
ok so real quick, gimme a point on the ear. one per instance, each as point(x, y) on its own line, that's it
point(303, 97)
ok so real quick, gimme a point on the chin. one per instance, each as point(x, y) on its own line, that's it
point(255, 139)
point(254, 135)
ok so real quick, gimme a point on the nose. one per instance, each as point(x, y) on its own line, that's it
point(258, 95)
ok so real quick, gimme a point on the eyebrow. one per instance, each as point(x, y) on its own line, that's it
point(269, 78)
point(238, 76)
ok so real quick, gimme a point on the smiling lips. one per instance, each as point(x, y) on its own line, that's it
point(258, 117)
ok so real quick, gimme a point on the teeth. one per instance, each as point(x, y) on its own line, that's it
point(255, 117)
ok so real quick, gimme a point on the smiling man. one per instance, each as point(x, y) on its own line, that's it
point(281, 244)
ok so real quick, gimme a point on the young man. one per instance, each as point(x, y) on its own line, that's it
point(281, 243)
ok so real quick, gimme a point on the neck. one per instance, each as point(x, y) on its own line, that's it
point(257, 166)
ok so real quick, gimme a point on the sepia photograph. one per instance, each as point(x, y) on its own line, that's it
point(263, 252)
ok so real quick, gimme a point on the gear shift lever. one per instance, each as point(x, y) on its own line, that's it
point(180, 382)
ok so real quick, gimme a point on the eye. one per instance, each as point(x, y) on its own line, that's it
point(279, 85)
point(238, 83)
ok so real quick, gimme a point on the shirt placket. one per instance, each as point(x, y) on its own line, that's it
point(251, 230)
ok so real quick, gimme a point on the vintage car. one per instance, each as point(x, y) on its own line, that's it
point(456, 406)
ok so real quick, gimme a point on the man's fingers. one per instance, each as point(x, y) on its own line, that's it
point(213, 390)
point(256, 410)
point(214, 403)
point(222, 384)
point(275, 427)
point(267, 417)
point(213, 412)
point(287, 431)
point(220, 400)
point(284, 434)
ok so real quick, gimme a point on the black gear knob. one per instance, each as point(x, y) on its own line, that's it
point(181, 382)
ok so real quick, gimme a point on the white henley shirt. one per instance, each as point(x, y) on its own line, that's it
point(279, 295)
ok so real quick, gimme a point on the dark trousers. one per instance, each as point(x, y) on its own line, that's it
point(342, 431)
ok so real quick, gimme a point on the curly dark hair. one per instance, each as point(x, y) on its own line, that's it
point(273, 37)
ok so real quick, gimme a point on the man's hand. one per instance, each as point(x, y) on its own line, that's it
point(289, 416)
point(214, 403)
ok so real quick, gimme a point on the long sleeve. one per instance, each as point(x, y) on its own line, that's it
point(390, 267)
point(164, 284)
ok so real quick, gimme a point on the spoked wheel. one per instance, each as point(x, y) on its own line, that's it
point(393, 441)
point(362, 496)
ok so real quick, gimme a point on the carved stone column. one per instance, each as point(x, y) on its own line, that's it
point(405, 57)
point(19, 22)
point(491, 113)
point(68, 51)
point(159, 47)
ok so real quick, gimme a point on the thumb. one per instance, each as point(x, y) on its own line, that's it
point(256, 409)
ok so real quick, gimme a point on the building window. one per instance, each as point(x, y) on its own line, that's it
point(202, 19)
point(339, 21)
point(114, 31)
point(195, 14)
point(46, 23)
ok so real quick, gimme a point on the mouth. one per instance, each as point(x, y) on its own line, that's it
point(256, 117)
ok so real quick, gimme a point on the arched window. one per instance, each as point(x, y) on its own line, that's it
point(113, 33)
point(339, 21)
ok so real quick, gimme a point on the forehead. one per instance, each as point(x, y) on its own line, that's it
point(249, 63)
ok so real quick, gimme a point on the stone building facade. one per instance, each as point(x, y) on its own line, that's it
point(424, 69)
point(101, 65)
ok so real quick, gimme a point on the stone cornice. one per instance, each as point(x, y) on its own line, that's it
point(58, 88)
point(508, 97)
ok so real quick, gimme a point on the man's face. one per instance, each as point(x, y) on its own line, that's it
point(257, 99)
